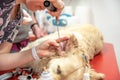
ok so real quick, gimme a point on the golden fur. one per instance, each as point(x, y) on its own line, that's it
point(85, 42)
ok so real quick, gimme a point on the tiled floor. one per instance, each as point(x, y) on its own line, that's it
point(106, 15)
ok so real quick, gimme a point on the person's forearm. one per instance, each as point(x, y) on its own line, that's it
point(13, 60)
point(20, 1)
point(5, 47)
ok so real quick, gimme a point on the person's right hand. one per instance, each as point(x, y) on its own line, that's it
point(35, 5)
point(59, 5)
point(43, 50)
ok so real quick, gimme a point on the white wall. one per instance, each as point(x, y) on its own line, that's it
point(107, 18)
point(106, 15)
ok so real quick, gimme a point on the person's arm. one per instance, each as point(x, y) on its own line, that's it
point(5, 47)
point(37, 30)
point(20, 1)
point(10, 61)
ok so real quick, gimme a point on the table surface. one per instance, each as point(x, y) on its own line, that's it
point(105, 62)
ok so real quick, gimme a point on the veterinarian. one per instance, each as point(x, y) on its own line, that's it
point(10, 19)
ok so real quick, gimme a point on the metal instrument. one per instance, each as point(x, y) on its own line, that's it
point(51, 7)
point(58, 31)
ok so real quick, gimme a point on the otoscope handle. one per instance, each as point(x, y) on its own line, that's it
point(50, 6)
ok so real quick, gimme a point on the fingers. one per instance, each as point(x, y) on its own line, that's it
point(53, 43)
point(59, 5)
point(56, 14)
point(57, 41)
point(63, 39)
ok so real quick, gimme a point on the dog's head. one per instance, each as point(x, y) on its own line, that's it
point(72, 67)
point(62, 68)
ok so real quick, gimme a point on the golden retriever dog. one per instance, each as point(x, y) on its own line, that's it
point(85, 42)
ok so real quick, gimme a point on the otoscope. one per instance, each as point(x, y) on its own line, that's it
point(49, 6)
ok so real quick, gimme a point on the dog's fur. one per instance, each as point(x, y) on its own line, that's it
point(85, 42)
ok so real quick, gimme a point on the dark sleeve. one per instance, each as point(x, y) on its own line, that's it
point(8, 29)
point(3, 2)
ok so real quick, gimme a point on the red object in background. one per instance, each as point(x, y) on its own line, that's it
point(105, 62)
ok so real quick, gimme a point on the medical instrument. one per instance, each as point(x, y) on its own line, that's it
point(51, 7)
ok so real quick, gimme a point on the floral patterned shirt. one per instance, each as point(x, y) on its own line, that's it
point(8, 29)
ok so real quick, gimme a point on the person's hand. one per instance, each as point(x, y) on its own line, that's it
point(44, 49)
point(59, 5)
point(38, 32)
point(35, 5)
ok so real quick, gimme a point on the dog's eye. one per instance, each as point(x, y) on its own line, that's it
point(59, 70)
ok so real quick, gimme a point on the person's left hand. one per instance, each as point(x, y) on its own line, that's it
point(47, 46)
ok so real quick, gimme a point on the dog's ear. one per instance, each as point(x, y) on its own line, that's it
point(72, 42)
point(96, 76)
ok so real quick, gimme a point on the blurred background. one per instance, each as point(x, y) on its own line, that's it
point(105, 14)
